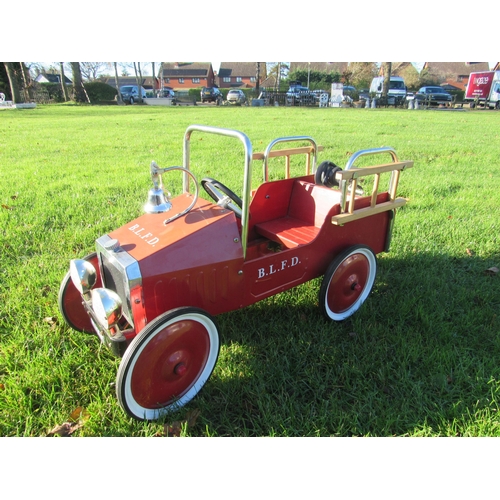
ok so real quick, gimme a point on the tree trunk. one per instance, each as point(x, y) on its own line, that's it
point(257, 83)
point(117, 85)
point(138, 80)
point(27, 84)
point(387, 78)
point(79, 94)
point(14, 85)
point(63, 83)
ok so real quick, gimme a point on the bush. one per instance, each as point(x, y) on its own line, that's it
point(99, 91)
point(50, 92)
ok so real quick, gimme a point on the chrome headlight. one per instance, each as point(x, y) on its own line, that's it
point(107, 307)
point(83, 275)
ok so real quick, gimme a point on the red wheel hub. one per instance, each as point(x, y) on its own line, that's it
point(170, 363)
point(348, 282)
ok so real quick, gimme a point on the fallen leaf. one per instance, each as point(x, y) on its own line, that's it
point(14, 197)
point(173, 429)
point(7, 207)
point(65, 430)
point(2, 387)
point(79, 414)
point(470, 253)
point(492, 271)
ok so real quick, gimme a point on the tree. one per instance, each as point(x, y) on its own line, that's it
point(411, 77)
point(117, 85)
point(14, 84)
point(362, 74)
point(138, 79)
point(79, 94)
point(90, 70)
point(63, 82)
point(27, 83)
point(279, 70)
point(387, 78)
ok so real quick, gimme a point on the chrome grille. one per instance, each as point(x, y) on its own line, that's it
point(120, 272)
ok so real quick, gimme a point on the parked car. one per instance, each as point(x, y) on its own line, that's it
point(299, 95)
point(130, 93)
point(211, 94)
point(236, 96)
point(168, 93)
point(348, 89)
point(433, 95)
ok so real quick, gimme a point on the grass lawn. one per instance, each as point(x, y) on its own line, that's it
point(420, 358)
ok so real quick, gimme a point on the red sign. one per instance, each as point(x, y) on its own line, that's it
point(479, 85)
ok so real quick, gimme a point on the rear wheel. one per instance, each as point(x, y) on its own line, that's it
point(167, 363)
point(70, 300)
point(347, 282)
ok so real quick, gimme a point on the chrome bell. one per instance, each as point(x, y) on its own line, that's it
point(157, 202)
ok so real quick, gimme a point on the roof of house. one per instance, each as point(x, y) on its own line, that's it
point(53, 78)
point(187, 69)
point(454, 69)
point(243, 69)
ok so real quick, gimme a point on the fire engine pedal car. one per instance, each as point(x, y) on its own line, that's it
point(153, 287)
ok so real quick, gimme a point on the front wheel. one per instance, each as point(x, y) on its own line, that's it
point(167, 363)
point(347, 282)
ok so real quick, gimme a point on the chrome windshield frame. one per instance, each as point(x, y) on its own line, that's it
point(247, 179)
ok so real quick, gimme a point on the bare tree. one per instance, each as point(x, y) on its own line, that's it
point(79, 93)
point(27, 83)
point(63, 82)
point(117, 85)
point(14, 85)
point(387, 78)
point(138, 79)
point(90, 70)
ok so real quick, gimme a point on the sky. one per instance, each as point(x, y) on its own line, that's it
point(249, 34)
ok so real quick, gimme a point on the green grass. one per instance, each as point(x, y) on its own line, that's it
point(420, 358)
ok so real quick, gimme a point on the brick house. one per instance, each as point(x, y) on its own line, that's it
point(186, 75)
point(454, 74)
point(240, 74)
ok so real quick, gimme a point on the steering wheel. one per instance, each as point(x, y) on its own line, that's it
point(222, 195)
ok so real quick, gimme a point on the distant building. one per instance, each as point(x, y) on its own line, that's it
point(240, 74)
point(52, 78)
point(454, 74)
point(186, 75)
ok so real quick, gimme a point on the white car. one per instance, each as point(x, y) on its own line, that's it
point(236, 97)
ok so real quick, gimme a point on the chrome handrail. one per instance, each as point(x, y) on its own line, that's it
point(350, 164)
point(288, 139)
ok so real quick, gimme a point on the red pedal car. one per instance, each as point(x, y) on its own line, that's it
point(151, 295)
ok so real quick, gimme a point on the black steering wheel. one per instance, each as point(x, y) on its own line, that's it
point(222, 195)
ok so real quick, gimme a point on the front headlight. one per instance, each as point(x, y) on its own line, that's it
point(107, 307)
point(83, 275)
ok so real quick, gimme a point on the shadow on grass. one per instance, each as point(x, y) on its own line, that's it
point(419, 358)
